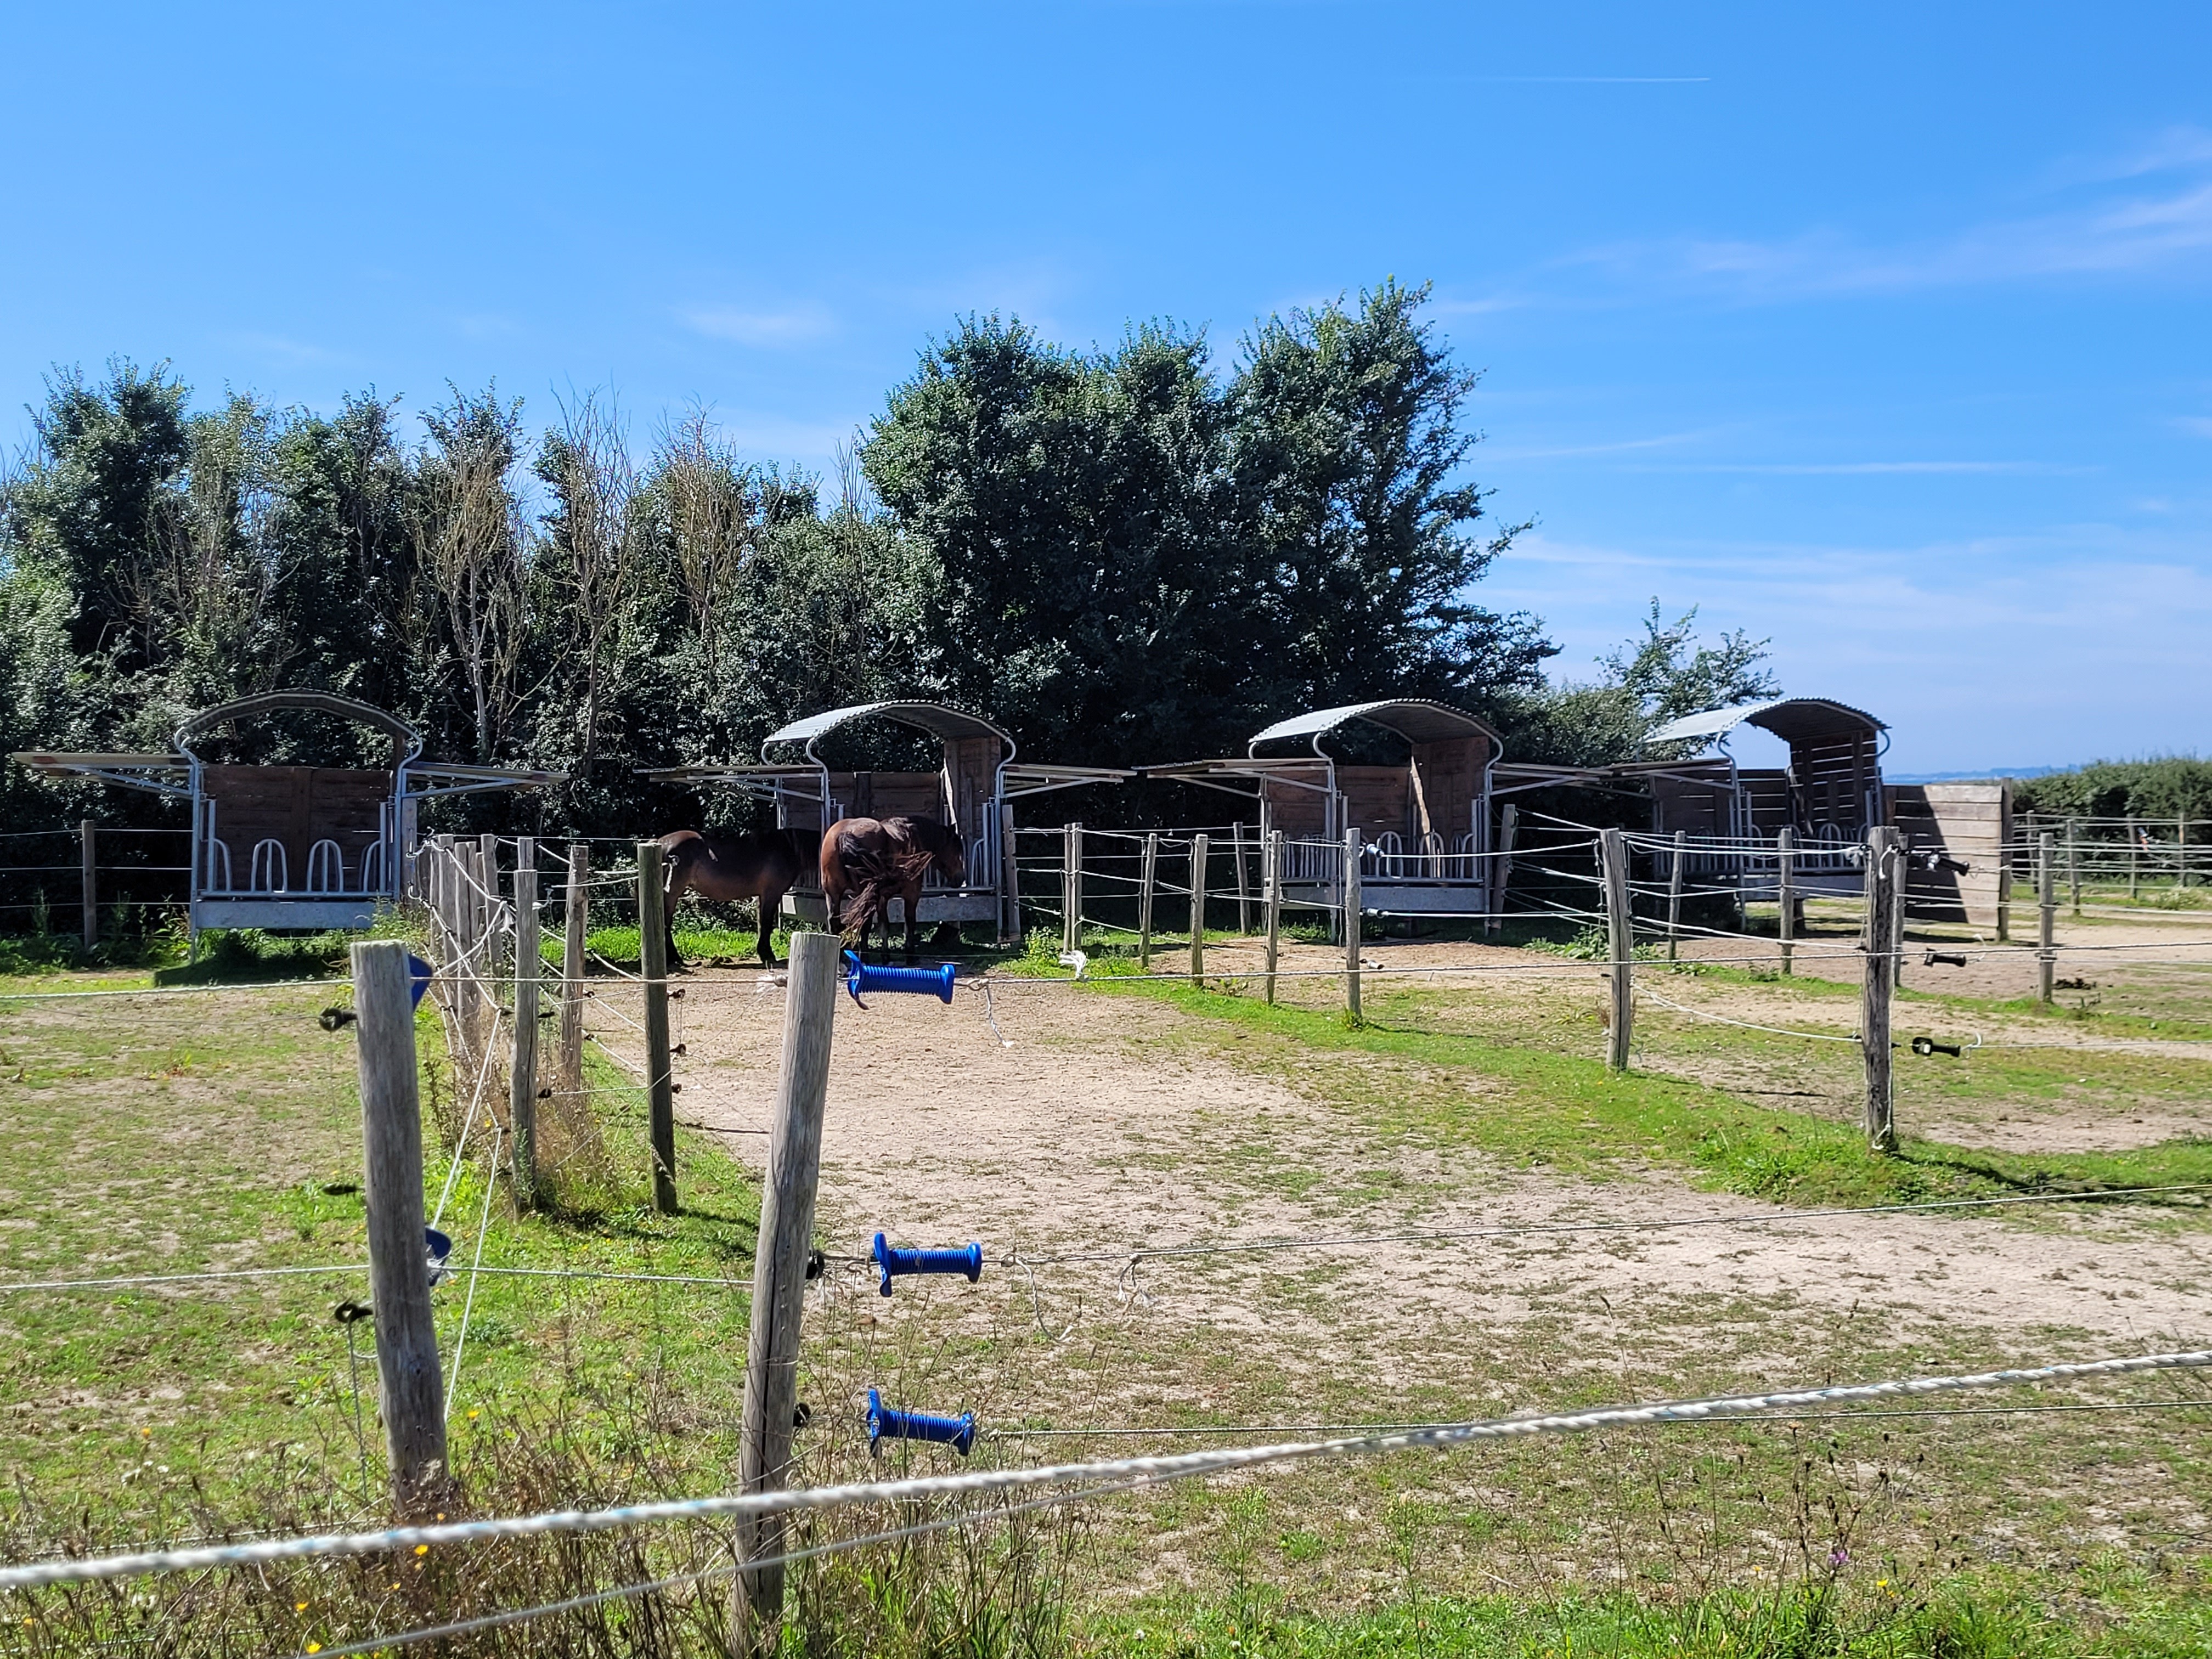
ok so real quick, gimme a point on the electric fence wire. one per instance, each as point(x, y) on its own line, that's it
point(1139, 1470)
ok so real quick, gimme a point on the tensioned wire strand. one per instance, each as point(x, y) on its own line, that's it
point(1025, 1259)
point(1140, 1470)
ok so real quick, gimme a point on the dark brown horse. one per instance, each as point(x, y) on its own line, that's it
point(868, 862)
point(763, 866)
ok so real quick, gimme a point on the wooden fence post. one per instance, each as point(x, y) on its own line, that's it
point(2074, 868)
point(1501, 882)
point(2135, 861)
point(1785, 889)
point(1352, 928)
point(1271, 882)
point(410, 1395)
point(1621, 947)
point(1878, 982)
point(2046, 911)
point(653, 962)
point(1675, 893)
point(573, 921)
point(786, 1238)
point(1071, 888)
point(522, 1075)
point(1144, 887)
point(2181, 850)
point(1243, 889)
point(1200, 845)
point(85, 835)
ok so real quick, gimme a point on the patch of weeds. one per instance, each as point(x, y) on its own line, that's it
point(1592, 945)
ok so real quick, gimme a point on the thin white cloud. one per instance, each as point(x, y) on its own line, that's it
point(2199, 424)
point(795, 326)
point(1817, 469)
point(1566, 452)
point(2140, 229)
point(2078, 641)
point(281, 349)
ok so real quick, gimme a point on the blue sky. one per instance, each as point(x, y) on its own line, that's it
point(1880, 330)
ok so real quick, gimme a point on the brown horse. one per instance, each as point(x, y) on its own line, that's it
point(868, 862)
point(762, 865)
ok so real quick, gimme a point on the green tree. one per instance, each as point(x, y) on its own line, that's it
point(1359, 530)
point(1662, 675)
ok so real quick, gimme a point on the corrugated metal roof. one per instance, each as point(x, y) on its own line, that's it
point(1788, 718)
point(935, 718)
point(1413, 718)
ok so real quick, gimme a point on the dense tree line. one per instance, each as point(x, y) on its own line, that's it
point(1119, 555)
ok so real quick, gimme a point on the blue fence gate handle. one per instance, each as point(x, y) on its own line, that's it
point(927, 981)
point(966, 1259)
point(889, 1423)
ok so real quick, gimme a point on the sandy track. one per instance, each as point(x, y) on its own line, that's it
point(1107, 1127)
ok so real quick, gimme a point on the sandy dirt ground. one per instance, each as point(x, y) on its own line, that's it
point(1115, 1125)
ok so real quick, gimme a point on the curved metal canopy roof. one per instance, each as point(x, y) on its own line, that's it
point(939, 719)
point(1792, 718)
point(328, 702)
point(1411, 718)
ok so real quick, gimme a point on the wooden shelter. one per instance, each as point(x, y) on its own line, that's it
point(1830, 791)
point(1424, 821)
point(293, 847)
point(972, 790)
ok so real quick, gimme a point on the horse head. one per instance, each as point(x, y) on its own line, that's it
point(948, 854)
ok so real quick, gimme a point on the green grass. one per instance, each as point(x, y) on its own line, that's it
point(240, 1146)
point(2130, 1613)
point(1537, 1106)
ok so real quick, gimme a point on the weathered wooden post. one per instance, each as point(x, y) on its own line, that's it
point(1509, 822)
point(786, 1239)
point(1146, 879)
point(1785, 888)
point(1071, 888)
point(1200, 847)
point(652, 963)
point(410, 1395)
point(1244, 887)
point(1351, 929)
point(1878, 984)
point(522, 1073)
point(1620, 947)
point(2135, 860)
point(1675, 893)
point(2181, 850)
point(490, 930)
point(85, 835)
point(2074, 868)
point(1271, 881)
point(2046, 913)
point(574, 920)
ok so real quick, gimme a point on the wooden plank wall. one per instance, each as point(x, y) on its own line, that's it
point(1377, 798)
point(1699, 808)
point(878, 795)
point(298, 805)
point(1833, 777)
point(1767, 791)
point(972, 764)
point(1446, 778)
point(1971, 821)
point(1299, 812)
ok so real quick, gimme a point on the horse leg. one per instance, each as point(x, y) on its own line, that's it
point(912, 896)
point(771, 906)
point(672, 893)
